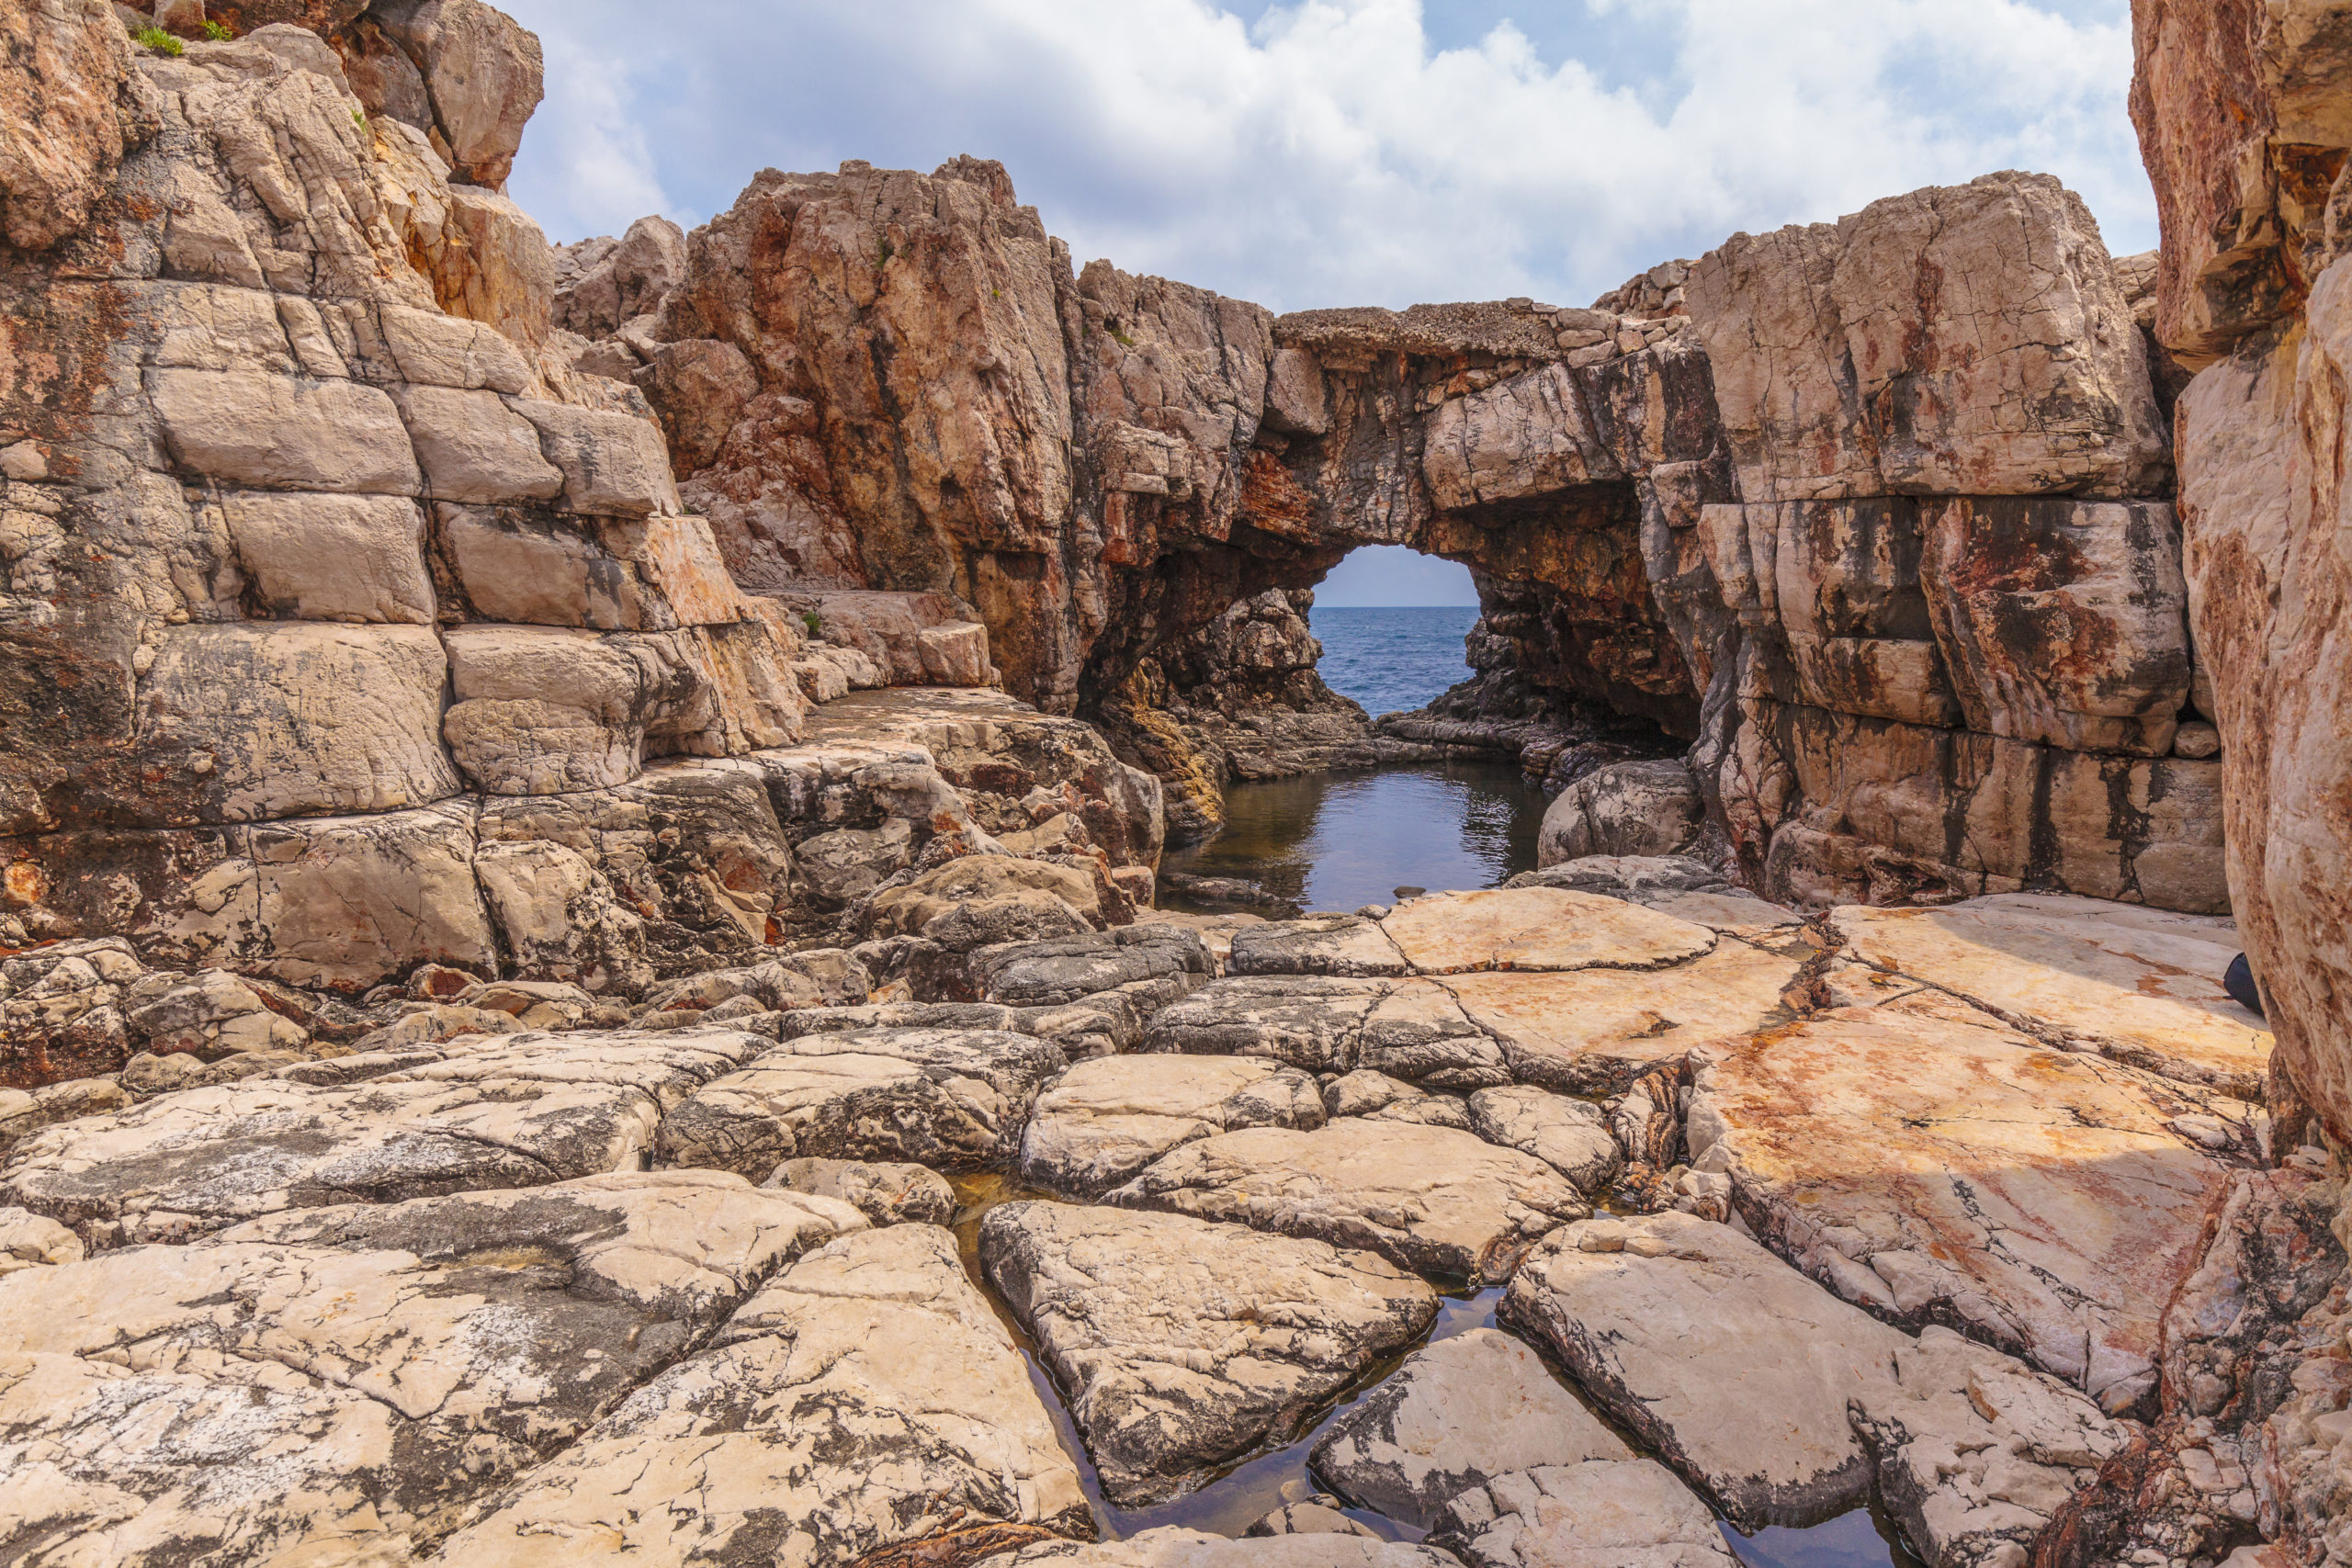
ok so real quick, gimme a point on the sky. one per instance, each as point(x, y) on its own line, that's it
point(1312, 153)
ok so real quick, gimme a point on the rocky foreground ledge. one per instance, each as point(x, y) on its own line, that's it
point(1972, 1209)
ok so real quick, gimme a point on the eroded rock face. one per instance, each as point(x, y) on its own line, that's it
point(1100, 1123)
point(1183, 1344)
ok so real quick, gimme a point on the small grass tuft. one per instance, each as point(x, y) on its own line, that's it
point(218, 32)
point(157, 39)
point(888, 249)
point(360, 120)
point(814, 622)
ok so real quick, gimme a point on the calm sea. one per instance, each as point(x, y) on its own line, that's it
point(1393, 659)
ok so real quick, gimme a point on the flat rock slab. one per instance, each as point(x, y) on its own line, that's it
point(1538, 928)
point(1601, 1514)
point(332, 1383)
point(480, 1111)
point(1975, 1451)
point(1459, 1413)
point(887, 1193)
point(1732, 1365)
point(1452, 933)
point(1103, 1120)
point(2143, 985)
point(1172, 1546)
point(2047, 1202)
point(1597, 1032)
point(1409, 1029)
point(1181, 1345)
point(867, 1397)
point(1058, 972)
point(1444, 1202)
point(955, 1098)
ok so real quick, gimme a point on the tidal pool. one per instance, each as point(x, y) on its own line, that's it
point(1341, 840)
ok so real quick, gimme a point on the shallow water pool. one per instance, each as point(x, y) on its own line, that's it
point(1341, 840)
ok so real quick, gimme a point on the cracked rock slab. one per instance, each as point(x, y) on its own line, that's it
point(1735, 1367)
point(480, 1111)
point(1105, 1120)
point(1342, 945)
point(951, 1097)
point(2045, 1201)
point(1183, 1345)
point(1443, 1202)
point(1459, 1413)
point(1172, 1546)
point(1598, 1030)
point(2142, 986)
point(1408, 1029)
point(866, 1398)
point(1600, 1514)
point(1975, 1451)
point(337, 1382)
point(886, 1193)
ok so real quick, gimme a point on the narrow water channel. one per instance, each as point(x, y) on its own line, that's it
point(1256, 1484)
point(1341, 840)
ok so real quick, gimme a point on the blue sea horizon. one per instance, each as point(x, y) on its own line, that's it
point(1392, 657)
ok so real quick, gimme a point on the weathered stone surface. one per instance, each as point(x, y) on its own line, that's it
point(1319, 1512)
point(936, 1097)
point(1172, 1546)
point(1569, 1135)
point(1443, 1202)
point(1679, 885)
point(1408, 1029)
point(332, 557)
point(1458, 1414)
point(1735, 1367)
point(350, 1377)
point(1595, 1031)
point(75, 103)
point(1538, 929)
point(2061, 621)
point(1099, 1124)
point(1975, 1452)
point(63, 1009)
point(603, 284)
point(1050, 974)
point(2017, 370)
point(479, 1112)
point(1600, 1514)
point(1633, 809)
point(1182, 1345)
point(483, 74)
point(1934, 1170)
point(2141, 985)
point(885, 1194)
point(933, 1435)
point(1346, 945)
point(613, 464)
point(474, 448)
point(254, 722)
point(977, 881)
point(284, 432)
point(548, 710)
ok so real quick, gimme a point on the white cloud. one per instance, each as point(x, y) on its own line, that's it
point(1327, 152)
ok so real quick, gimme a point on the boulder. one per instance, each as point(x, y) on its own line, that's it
point(61, 1010)
point(480, 1111)
point(1938, 1169)
point(1569, 1135)
point(390, 1364)
point(545, 710)
point(980, 880)
point(211, 1014)
point(1180, 1346)
point(936, 1097)
point(1733, 1366)
point(1600, 1514)
point(2140, 986)
point(483, 74)
point(886, 1194)
point(1631, 808)
point(1458, 1414)
point(933, 1437)
point(1441, 1202)
point(2016, 371)
point(604, 283)
point(1099, 1124)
